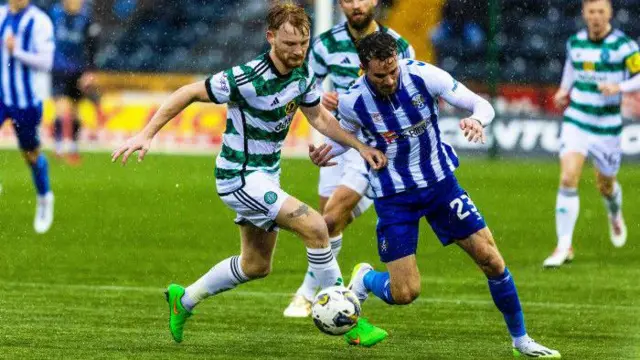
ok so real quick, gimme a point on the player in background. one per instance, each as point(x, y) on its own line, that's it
point(602, 62)
point(395, 104)
point(342, 187)
point(76, 42)
point(27, 46)
point(262, 97)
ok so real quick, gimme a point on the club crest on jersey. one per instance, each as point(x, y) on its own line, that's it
point(270, 197)
point(302, 86)
point(291, 107)
point(377, 117)
point(417, 101)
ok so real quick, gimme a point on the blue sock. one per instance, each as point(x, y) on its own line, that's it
point(40, 172)
point(378, 283)
point(505, 296)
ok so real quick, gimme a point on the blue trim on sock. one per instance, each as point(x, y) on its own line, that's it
point(40, 172)
point(379, 284)
point(505, 296)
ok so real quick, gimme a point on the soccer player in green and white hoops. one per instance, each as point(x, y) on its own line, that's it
point(262, 97)
point(602, 62)
point(341, 187)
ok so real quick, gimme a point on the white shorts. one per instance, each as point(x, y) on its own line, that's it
point(349, 171)
point(258, 202)
point(604, 150)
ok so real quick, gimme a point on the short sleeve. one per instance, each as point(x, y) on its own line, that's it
point(316, 61)
point(43, 37)
point(437, 81)
point(311, 96)
point(348, 117)
point(220, 87)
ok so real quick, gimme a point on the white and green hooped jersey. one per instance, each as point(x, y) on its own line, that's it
point(261, 103)
point(611, 60)
point(334, 54)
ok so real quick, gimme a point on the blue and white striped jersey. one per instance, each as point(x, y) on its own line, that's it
point(34, 48)
point(404, 126)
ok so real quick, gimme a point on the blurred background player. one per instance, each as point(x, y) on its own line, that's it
point(27, 47)
point(419, 181)
point(76, 40)
point(599, 62)
point(263, 96)
point(341, 187)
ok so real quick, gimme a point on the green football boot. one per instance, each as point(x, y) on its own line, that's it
point(178, 315)
point(365, 334)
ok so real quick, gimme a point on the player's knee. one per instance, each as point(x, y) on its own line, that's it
point(491, 263)
point(405, 295)
point(256, 269)
point(605, 187)
point(316, 233)
point(336, 218)
point(569, 180)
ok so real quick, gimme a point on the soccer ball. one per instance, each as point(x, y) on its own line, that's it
point(335, 310)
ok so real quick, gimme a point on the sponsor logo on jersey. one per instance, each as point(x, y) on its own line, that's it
point(412, 131)
point(275, 102)
point(345, 61)
point(223, 83)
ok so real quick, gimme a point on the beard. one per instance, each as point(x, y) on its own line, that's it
point(361, 24)
point(289, 60)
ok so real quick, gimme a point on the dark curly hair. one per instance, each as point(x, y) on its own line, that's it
point(378, 45)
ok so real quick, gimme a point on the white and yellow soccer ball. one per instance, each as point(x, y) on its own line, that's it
point(335, 310)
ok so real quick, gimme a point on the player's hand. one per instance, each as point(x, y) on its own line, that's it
point(376, 159)
point(321, 155)
point(86, 82)
point(10, 43)
point(561, 98)
point(473, 130)
point(138, 143)
point(330, 100)
point(609, 89)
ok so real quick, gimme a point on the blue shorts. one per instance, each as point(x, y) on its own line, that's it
point(446, 206)
point(25, 124)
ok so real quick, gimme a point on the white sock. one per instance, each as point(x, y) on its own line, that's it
point(336, 245)
point(362, 206)
point(614, 203)
point(224, 276)
point(324, 267)
point(567, 209)
point(310, 284)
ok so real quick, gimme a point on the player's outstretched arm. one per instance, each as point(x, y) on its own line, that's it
point(177, 102)
point(323, 121)
point(482, 112)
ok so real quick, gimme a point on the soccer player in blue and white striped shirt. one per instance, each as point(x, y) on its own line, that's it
point(27, 46)
point(395, 104)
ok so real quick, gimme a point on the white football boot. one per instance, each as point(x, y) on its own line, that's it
point(617, 230)
point(299, 307)
point(356, 283)
point(531, 349)
point(44, 213)
point(558, 258)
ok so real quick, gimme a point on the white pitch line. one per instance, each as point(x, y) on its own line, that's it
point(259, 294)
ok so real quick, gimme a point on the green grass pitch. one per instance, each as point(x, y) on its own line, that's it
point(92, 287)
